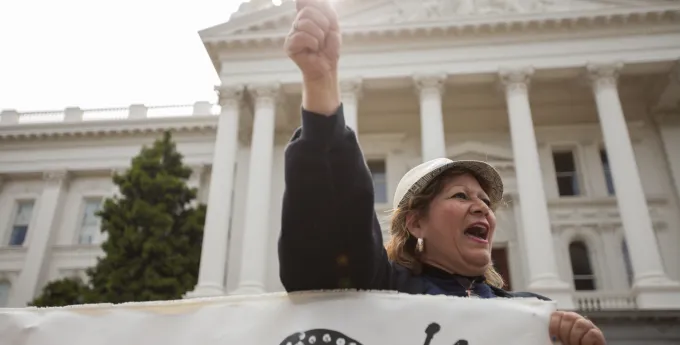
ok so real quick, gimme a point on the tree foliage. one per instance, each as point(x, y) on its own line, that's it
point(65, 291)
point(153, 233)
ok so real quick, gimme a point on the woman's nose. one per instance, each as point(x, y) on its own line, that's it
point(479, 207)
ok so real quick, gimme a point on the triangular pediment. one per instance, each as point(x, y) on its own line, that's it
point(472, 150)
point(257, 16)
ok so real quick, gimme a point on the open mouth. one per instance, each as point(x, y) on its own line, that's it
point(478, 232)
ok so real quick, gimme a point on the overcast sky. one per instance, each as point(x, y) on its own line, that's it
point(94, 53)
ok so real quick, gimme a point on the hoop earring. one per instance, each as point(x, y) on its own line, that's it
point(420, 245)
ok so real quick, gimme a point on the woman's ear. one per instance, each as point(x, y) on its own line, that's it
point(413, 225)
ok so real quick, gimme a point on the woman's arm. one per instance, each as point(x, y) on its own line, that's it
point(330, 237)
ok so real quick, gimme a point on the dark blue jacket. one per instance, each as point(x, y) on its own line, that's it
point(330, 235)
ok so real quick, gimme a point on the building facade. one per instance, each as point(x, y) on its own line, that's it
point(576, 103)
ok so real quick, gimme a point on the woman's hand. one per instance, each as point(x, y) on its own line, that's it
point(314, 45)
point(573, 329)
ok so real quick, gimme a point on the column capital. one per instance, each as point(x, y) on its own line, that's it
point(229, 94)
point(352, 86)
point(265, 90)
point(55, 177)
point(604, 74)
point(516, 78)
point(430, 81)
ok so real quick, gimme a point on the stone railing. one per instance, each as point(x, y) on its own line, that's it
point(604, 300)
point(134, 111)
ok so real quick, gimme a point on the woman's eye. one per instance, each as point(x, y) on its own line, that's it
point(460, 195)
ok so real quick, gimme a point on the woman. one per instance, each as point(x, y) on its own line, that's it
point(443, 223)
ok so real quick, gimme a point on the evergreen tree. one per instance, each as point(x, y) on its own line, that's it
point(153, 247)
point(59, 293)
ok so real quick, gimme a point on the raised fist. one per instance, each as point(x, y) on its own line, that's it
point(314, 40)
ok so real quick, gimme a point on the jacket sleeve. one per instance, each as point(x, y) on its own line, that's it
point(330, 236)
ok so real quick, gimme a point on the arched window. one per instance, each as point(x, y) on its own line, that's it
point(584, 279)
point(4, 293)
point(627, 262)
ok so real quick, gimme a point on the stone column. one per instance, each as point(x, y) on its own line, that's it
point(215, 236)
point(253, 273)
point(351, 94)
point(667, 116)
point(49, 216)
point(543, 275)
point(433, 143)
point(653, 286)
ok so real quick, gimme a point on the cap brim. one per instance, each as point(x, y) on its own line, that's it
point(481, 170)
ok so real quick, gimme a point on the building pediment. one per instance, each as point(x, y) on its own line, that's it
point(260, 16)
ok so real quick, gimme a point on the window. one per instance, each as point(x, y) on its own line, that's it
point(4, 293)
point(584, 279)
point(22, 219)
point(378, 172)
point(567, 176)
point(607, 172)
point(91, 223)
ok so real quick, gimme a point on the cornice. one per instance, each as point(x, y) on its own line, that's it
point(460, 27)
point(107, 127)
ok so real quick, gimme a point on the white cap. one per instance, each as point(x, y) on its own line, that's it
point(419, 177)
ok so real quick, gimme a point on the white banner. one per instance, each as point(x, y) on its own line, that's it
point(337, 318)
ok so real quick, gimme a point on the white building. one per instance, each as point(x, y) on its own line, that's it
point(576, 102)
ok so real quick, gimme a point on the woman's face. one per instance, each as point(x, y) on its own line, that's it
point(458, 228)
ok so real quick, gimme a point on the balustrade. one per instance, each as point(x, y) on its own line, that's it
point(134, 111)
point(604, 300)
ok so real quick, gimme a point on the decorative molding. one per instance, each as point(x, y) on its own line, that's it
point(430, 83)
point(126, 127)
point(352, 87)
point(516, 79)
point(604, 75)
point(265, 94)
point(599, 213)
point(265, 90)
point(230, 95)
point(456, 26)
point(9, 276)
point(55, 177)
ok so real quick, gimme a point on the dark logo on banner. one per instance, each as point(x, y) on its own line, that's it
point(322, 336)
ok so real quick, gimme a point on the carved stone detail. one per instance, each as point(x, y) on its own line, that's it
point(230, 95)
point(265, 94)
point(604, 74)
point(430, 82)
point(352, 87)
point(516, 79)
point(55, 177)
point(266, 90)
